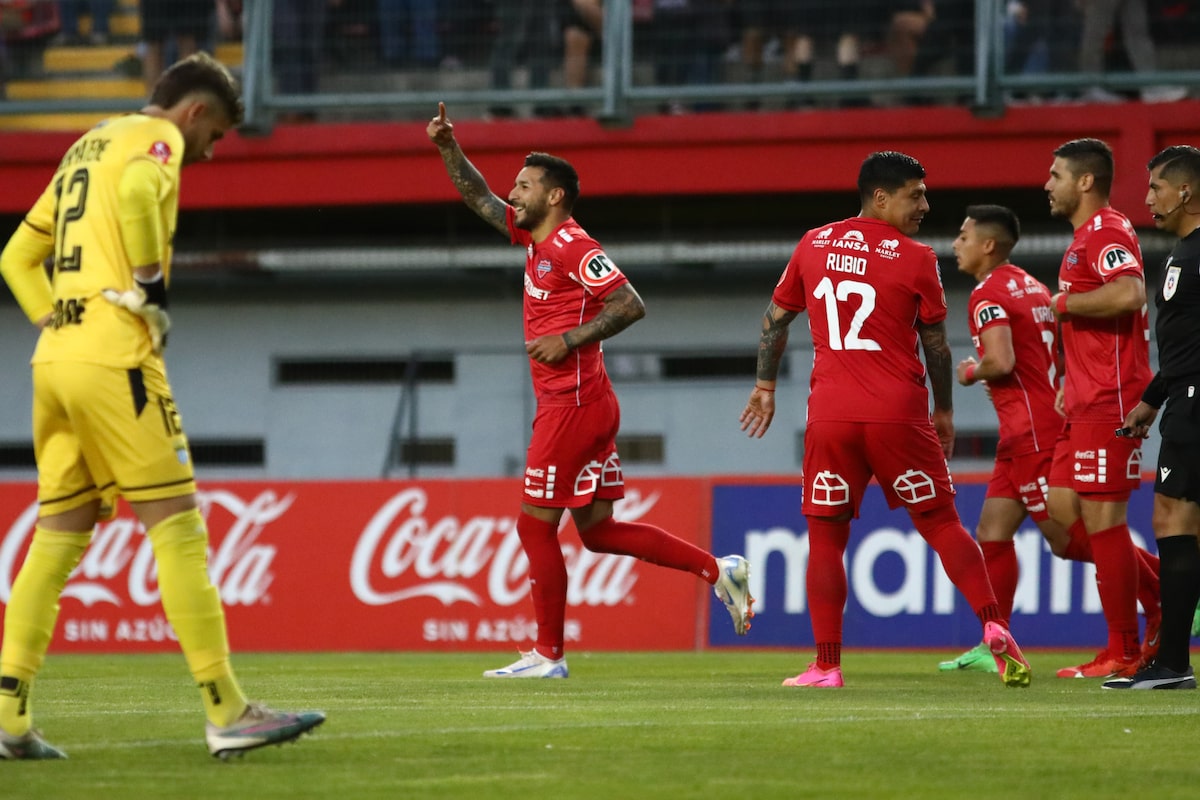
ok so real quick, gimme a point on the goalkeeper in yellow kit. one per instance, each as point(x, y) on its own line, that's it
point(104, 421)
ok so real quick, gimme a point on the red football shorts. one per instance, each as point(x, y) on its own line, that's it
point(1026, 479)
point(572, 457)
point(1093, 462)
point(841, 457)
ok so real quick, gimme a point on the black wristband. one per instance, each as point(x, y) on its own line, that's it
point(156, 291)
point(1156, 392)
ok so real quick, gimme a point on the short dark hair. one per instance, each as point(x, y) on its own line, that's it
point(1089, 157)
point(1180, 163)
point(199, 72)
point(557, 174)
point(1003, 220)
point(887, 170)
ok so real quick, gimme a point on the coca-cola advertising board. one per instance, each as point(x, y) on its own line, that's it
point(376, 565)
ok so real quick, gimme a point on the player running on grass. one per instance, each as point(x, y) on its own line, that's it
point(873, 293)
point(1014, 333)
point(575, 297)
point(1105, 332)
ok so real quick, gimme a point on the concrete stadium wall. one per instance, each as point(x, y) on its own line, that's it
point(223, 353)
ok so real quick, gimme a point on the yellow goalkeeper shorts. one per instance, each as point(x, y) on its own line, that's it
point(102, 431)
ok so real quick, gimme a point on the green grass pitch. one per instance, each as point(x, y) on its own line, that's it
point(645, 725)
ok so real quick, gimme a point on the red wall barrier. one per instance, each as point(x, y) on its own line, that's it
point(722, 153)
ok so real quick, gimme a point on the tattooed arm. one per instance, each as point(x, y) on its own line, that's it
point(772, 342)
point(622, 308)
point(469, 182)
point(938, 363)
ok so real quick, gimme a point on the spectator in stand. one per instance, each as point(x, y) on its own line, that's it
point(1098, 19)
point(583, 27)
point(528, 27)
point(183, 22)
point(229, 19)
point(408, 33)
point(756, 19)
point(298, 43)
point(1037, 36)
point(68, 12)
point(905, 29)
point(688, 38)
point(800, 32)
point(927, 35)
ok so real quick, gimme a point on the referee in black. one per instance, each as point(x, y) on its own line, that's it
point(1174, 201)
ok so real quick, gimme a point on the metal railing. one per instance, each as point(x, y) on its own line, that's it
point(618, 97)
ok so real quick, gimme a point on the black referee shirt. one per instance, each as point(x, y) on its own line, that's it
point(1177, 326)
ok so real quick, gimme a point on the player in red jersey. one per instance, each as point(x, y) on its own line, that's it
point(574, 298)
point(1105, 333)
point(874, 294)
point(1013, 331)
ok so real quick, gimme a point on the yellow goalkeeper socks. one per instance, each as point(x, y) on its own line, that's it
point(193, 608)
point(30, 617)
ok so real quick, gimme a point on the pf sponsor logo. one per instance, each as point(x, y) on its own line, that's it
point(596, 269)
point(405, 552)
point(1114, 258)
point(118, 567)
point(988, 312)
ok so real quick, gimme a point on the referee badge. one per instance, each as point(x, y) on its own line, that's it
point(1172, 283)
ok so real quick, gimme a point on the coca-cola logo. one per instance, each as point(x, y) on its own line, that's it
point(120, 552)
point(402, 554)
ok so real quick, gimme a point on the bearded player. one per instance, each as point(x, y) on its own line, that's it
point(575, 297)
point(1105, 330)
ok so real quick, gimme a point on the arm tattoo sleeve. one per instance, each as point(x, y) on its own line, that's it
point(773, 341)
point(938, 363)
point(621, 309)
point(474, 189)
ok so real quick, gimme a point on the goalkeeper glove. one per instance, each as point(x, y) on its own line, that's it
point(153, 314)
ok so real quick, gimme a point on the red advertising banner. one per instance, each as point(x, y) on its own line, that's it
point(376, 565)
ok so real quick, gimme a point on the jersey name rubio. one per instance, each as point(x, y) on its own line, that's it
point(847, 249)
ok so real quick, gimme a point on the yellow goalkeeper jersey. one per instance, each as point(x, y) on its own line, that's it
point(86, 217)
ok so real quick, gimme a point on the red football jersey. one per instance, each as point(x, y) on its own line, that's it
point(1107, 360)
point(567, 277)
point(1024, 399)
point(866, 286)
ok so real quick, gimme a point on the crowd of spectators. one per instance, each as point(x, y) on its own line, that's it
point(546, 43)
